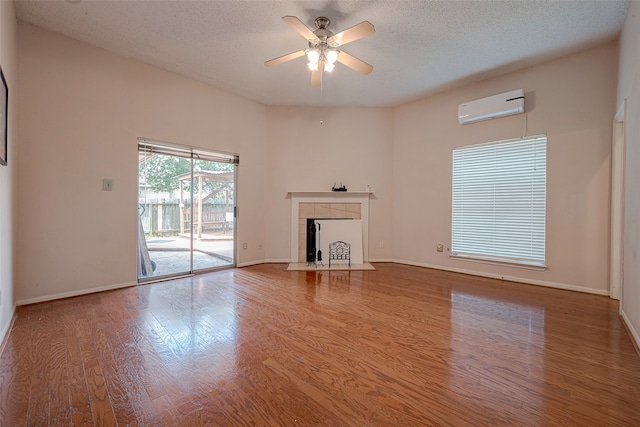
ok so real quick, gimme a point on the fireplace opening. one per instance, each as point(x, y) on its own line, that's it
point(313, 236)
point(304, 233)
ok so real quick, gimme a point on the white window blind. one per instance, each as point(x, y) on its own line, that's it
point(499, 201)
point(153, 147)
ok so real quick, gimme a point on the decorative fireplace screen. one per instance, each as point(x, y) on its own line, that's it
point(340, 251)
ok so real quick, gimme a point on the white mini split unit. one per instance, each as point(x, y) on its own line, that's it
point(491, 107)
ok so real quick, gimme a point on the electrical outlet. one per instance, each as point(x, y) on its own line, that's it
point(440, 247)
point(382, 244)
point(260, 246)
point(244, 246)
point(107, 184)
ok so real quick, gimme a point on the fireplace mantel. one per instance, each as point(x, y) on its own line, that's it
point(324, 194)
point(297, 197)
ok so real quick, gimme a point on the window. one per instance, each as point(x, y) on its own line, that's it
point(499, 201)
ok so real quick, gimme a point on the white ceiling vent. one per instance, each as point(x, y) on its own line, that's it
point(491, 107)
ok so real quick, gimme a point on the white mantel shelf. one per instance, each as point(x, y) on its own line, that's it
point(329, 193)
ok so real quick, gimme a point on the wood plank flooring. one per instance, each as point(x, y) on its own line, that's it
point(399, 346)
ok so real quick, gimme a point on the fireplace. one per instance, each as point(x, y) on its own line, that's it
point(325, 205)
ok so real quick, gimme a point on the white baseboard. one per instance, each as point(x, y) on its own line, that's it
point(248, 263)
point(509, 278)
point(264, 261)
point(634, 333)
point(287, 261)
point(75, 293)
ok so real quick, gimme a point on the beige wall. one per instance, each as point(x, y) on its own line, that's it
point(8, 180)
point(81, 112)
point(572, 101)
point(629, 88)
point(351, 145)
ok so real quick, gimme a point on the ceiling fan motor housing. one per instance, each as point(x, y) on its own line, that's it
point(322, 33)
point(322, 22)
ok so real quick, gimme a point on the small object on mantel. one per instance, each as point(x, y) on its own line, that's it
point(341, 188)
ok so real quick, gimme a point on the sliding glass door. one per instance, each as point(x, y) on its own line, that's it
point(186, 209)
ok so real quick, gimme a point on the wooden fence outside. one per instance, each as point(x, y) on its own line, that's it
point(162, 217)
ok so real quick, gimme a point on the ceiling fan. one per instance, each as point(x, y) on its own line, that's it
point(324, 47)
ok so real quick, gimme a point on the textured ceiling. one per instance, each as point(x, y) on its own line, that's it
point(420, 47)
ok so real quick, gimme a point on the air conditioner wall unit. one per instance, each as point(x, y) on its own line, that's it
point(491, 107)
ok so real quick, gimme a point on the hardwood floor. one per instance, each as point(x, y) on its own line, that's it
point(260, 345)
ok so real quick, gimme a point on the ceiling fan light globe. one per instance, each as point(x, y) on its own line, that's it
point(329, 67)
point(313, 56)
point(332, 56)
point(313, 66)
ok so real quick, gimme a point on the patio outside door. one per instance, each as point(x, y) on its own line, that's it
point(186, 206)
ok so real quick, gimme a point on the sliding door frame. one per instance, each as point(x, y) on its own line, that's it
point(193, 154)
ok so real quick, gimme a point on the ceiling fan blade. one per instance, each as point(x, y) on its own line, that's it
point(354, 63)
point(316, 76)
point(299, 26)
point(284, 58)
point(354, 33)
